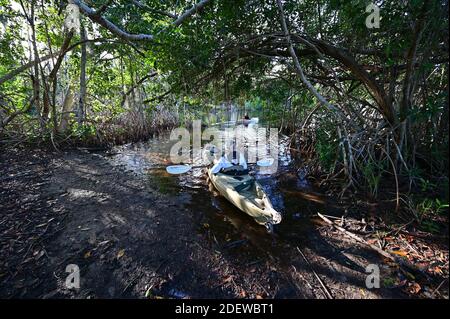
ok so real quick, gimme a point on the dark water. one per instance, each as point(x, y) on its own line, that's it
point(289, 192)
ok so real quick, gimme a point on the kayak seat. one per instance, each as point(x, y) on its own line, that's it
point(235, 170)
point(244, 186)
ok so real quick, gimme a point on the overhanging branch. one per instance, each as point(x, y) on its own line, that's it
point(94, 16)
point(191, 11)
point(98, 18)
point(297, 65)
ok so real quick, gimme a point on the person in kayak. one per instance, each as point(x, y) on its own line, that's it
point(228, 168)
point(246, 120)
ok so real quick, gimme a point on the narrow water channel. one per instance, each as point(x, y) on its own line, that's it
point(290, 193)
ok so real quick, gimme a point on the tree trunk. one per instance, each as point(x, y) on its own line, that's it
point(67, 108)
point(52, 83)
point(82, 100)
point(36, 82)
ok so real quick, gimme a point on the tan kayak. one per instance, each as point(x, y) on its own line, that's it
point(246, 193)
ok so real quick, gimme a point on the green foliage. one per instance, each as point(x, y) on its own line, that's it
point(326, 147)
point(427, 212)
point(429, 207)
point(84, 131)
point(389, 282)
point(373, 173)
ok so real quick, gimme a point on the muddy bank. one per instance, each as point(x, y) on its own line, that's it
point(131, 240)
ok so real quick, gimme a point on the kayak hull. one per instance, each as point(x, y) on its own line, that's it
point(253, 201)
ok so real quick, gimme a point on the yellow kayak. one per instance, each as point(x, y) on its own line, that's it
point(244, 192)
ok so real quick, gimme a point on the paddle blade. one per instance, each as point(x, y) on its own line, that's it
point(178, 169)
point(265, 162)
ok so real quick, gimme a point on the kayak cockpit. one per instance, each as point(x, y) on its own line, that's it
point(246, 194)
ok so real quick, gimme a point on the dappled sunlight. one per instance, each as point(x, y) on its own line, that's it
point(224, 149)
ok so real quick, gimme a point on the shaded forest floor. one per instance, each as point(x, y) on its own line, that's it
point(130, 241)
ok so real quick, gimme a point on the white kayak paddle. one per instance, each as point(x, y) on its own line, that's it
point(181, 169)
point(178, 169)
